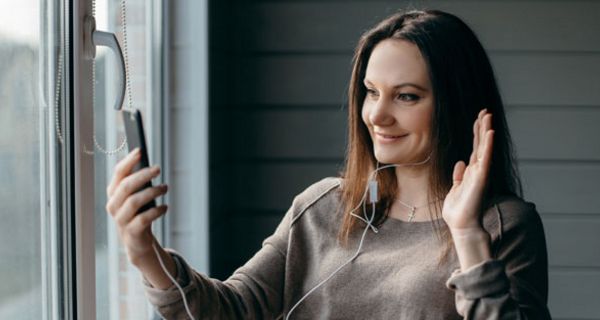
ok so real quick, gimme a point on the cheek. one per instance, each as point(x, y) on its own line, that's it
point(421, 121)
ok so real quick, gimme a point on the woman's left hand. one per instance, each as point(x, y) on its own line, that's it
point(462, 206)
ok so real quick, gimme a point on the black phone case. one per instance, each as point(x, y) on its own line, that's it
point(134, 131)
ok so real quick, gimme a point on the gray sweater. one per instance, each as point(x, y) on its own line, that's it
point(396, 275)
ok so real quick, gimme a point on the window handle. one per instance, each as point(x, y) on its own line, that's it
point(93, 38)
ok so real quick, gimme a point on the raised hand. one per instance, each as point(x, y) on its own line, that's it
point(462, 206)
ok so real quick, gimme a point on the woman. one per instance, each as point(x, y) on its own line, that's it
point(443, 234)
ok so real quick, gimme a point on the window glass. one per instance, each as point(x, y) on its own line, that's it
point(119, 293)
point(21, 151)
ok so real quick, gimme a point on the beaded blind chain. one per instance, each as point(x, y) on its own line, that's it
point(59, 80)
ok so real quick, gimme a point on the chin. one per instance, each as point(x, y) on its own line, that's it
point(388, 158)
point(395, 158)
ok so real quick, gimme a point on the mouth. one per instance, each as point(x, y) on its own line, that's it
point(389, 138)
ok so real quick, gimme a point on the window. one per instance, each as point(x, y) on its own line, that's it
point(60, 255)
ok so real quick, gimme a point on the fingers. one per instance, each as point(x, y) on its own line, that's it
point(144, 220)
point(485, 140)
point(122, 169)
point(489, 147)
point(475, 140)
point(484, 126)
point(128, 186)
point(477, 126)
point(134, 202)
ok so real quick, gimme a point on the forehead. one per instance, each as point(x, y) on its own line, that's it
point(394, 62)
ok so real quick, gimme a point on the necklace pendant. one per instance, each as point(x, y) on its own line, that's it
point(411, 216)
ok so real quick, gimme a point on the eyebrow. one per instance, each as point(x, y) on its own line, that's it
point(405, 84)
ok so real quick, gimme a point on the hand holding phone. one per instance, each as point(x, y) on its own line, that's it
point(130, 195)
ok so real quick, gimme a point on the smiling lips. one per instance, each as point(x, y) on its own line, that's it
point(388, 138)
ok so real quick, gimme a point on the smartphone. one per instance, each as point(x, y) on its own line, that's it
point(134, 132)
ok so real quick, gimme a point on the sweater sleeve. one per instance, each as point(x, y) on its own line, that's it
point(514, 284)
point(254, 291)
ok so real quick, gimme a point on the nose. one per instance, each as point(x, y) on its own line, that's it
point(379, 113)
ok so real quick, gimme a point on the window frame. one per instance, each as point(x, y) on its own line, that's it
point(80, 173)
point(54, 173)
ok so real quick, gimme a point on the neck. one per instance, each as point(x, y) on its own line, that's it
point(413, 187)
point(413, 184)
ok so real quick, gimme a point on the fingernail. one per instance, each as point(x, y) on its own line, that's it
point(156, 169)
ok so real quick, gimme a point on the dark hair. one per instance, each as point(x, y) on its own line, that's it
point(463, 83)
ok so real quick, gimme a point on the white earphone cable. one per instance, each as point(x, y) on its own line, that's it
point(340, 267)
point(162, 265)
point(371, 186)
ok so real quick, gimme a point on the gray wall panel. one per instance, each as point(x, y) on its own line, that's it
point(562, 187)
point(573, 242)
point(272, 186)
point(561, 133)
point(298, 134)
point(334, 26)
point(295, 80)
point(548, 79)
point(574, 294)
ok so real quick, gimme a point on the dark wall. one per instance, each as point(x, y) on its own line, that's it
point(275, 128)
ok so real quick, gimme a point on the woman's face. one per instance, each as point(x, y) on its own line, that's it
point(398, 107)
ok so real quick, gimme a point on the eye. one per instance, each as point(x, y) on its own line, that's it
point(371, 92)
point(408, 97)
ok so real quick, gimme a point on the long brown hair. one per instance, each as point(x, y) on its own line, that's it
point(463, 83)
